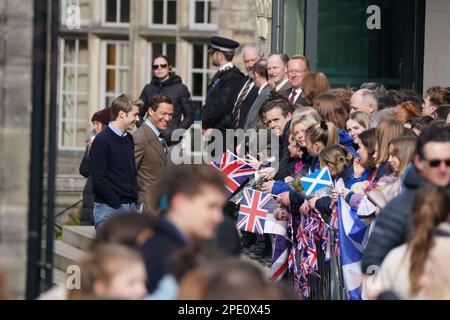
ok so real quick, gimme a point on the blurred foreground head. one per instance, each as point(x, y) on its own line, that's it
point(195, 197)
point(111, 272)
point(230, 279)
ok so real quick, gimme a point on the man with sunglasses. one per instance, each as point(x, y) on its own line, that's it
point(166, 82)
point(393, 227)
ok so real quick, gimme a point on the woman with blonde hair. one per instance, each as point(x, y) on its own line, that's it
point(299, 126)
point(339, 163)
point(357, 122)
point(317, 137)
point(313, 85)
point(404, 266)
point(301, 166)
point(401, 152)
point(386, 131)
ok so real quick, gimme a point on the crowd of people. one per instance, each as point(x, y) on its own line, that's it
point(168, 232)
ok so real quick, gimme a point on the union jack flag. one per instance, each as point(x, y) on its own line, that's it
point(301, 238)
point(314, 222)
point(311, 256)
point(334, 219)
point(254, 210)
point(279, 258)
point(234, 170)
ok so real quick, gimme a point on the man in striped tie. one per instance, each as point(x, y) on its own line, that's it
point(248, 91)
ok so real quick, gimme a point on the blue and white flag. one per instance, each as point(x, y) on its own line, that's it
point(352, 241)
point(317, 180)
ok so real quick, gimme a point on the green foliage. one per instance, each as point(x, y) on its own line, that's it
point(297, 184)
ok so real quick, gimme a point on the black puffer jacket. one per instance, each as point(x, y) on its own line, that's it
point(394, 224)
point(182, 104)
point(87, 216)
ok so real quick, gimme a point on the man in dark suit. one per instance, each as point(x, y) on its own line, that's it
point(297, 68)
point(150, 151)
point(224, 87)
point(260, 80)
point(248, 91)
point(195, 195)
point(277, 71)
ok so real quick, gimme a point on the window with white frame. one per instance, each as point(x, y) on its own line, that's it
point(114, 71)
point(200, 74)
point(71, 8)
point(203, 14)
point(73, 94)
point(116, 12)
point(167, 48)
point(163, 13)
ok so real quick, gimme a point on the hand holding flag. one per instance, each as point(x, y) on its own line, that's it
point(255, 213)
point(235, 170)
point(317, 180)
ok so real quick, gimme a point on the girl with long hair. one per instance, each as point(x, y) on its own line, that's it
point(403, 267)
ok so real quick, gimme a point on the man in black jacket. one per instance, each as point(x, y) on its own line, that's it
point(224, 86)
point(276, 115)
point(100, 121)
point(194, 196)
point(393, 227)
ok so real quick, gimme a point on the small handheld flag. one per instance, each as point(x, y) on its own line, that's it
point(234, 170)
point(254, 209)
point(317, 180)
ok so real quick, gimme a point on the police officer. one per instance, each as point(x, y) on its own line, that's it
point(224, 87)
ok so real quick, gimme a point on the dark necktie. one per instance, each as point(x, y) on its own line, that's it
point(240, 101)
point(163, 143)
point(292, 99)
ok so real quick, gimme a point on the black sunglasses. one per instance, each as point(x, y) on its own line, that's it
point(162, 66)
point(437, 162)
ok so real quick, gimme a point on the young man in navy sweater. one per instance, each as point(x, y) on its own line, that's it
point(113, 165)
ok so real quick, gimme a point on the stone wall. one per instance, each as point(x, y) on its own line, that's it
point(16, 34)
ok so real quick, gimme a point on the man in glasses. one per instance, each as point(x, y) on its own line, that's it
point(297, 68)
point(224, 86)
point(393, 227)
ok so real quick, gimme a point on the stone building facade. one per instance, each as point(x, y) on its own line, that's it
point(16, 22)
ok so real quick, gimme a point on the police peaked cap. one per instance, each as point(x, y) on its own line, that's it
point(222, 44)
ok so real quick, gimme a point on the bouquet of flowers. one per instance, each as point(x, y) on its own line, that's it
point(297, 184)
point(257, 184)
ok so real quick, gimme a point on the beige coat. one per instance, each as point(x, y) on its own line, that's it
point(151, 161)
point(394, 272)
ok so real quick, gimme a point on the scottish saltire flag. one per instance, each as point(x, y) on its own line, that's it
point(280, 258)
point(254, 209)
point(352, 239)
point(234, 170)
point(317, 180)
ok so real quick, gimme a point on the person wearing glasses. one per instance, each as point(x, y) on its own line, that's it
point(166, 82)
point(393, 227)
point(297, 68)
